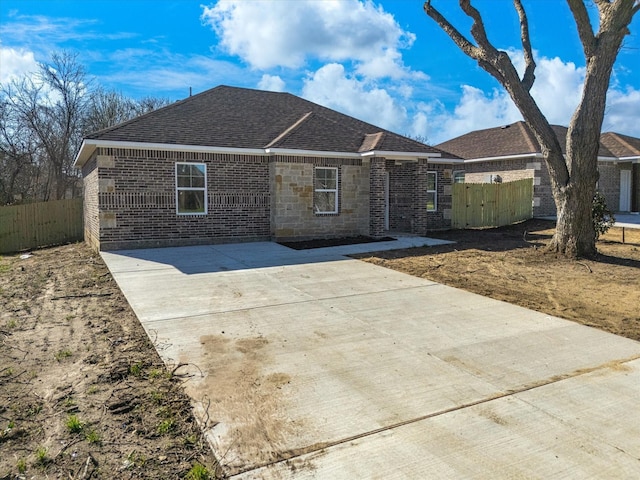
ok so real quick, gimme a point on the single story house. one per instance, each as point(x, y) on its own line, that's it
point(235, 164)
point(511, 152)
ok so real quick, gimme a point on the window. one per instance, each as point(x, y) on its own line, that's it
point(432, 191)
point(191, 188)
point(458, 176)
point(325, 186)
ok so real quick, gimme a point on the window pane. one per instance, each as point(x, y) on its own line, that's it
point(431, 181)
point(431, 201)
point(184, 181)
point(326, 178)
point(190, 201)
point(458, 177)
point(325, 202)
point(183, 169)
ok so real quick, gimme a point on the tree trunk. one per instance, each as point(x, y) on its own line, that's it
point(575, 235)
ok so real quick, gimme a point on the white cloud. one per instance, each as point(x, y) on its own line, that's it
point(622, 114)
point(332, 87)
point(16, 64)
point(288, 34)
point(272, 83)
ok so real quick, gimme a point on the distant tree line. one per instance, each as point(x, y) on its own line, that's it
point(43, 119)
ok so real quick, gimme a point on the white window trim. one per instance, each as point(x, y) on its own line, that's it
point(197, 189)
point(435, 192)
point(325, 190)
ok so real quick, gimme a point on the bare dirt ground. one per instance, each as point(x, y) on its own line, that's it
point(83, 394)
point(510, 264)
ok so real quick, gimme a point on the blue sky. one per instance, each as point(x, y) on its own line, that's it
point(385, 62)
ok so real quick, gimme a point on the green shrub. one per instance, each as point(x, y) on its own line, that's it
point(603, 218)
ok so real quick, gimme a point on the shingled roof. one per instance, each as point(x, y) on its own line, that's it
point(231, 117)
point(506, 141)
point(622, 146)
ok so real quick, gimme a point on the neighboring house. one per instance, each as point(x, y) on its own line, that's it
point(233, 164)
point(511, 153)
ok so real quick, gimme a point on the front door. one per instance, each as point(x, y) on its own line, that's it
point(625, 190)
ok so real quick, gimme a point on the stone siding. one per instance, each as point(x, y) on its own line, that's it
point(292, 191)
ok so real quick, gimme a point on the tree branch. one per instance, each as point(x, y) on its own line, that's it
point(583, 24)
point(529, 76)
point(460, 40)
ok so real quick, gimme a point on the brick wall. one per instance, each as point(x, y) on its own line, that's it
point(425, 221)
point(138, 201)
point(609, 184)
point(90, 207)
point(292, 191)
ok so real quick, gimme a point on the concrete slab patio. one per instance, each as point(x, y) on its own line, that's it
point(309, 364)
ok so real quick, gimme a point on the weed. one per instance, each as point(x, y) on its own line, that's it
point(190, 440)
point(135, 369)
point(69, 402)
point(157, 397)
point(165, 426)
point(12, 323)
point(4, 267)
point(93, 389)
point(41, 456)
point(69, 317)
point(22, 465)
point(62, 354)
point(155, 373)
point(7, 372)
point(74, 425)
point(198, 472)
point(93, 437)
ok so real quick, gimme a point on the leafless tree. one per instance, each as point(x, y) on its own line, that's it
point(574, 175)
point(49, 107)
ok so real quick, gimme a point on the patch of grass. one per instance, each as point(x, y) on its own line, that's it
point(12, 323)
point(92, 390)
point(135, 369)
point(62, 354)
point(93, 437)
point(165, 426)
point(21, 465)
point(157, 397)
point(74, 424)
point(198, 472)
point(4, 267)
point(155, 373)
point(41, 456)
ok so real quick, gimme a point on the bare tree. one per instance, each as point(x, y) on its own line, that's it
point(50, 106)
point(574, 175)
point(107, 108)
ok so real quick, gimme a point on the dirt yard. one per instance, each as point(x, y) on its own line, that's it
point(83, 394)
point(509, 264)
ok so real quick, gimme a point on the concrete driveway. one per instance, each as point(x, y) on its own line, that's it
point(308, 364)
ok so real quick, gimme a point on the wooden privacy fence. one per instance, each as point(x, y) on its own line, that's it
point(491, 204)
point(41, 224)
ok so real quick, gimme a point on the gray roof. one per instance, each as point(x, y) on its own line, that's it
point(233, 117)
point(509, 140)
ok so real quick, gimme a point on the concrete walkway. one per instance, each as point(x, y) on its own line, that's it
point(308, 364)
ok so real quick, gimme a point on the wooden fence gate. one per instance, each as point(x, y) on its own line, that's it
point(40, 224)
point(491, 204)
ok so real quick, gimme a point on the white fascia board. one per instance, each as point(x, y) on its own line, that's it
point(503, 157)
point(633, 159)
point(309, 153)
point(89, 146)
point(399, 155)
point(447, 161)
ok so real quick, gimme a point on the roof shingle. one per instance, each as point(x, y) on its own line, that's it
point(244, 118)
point(509, 140)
